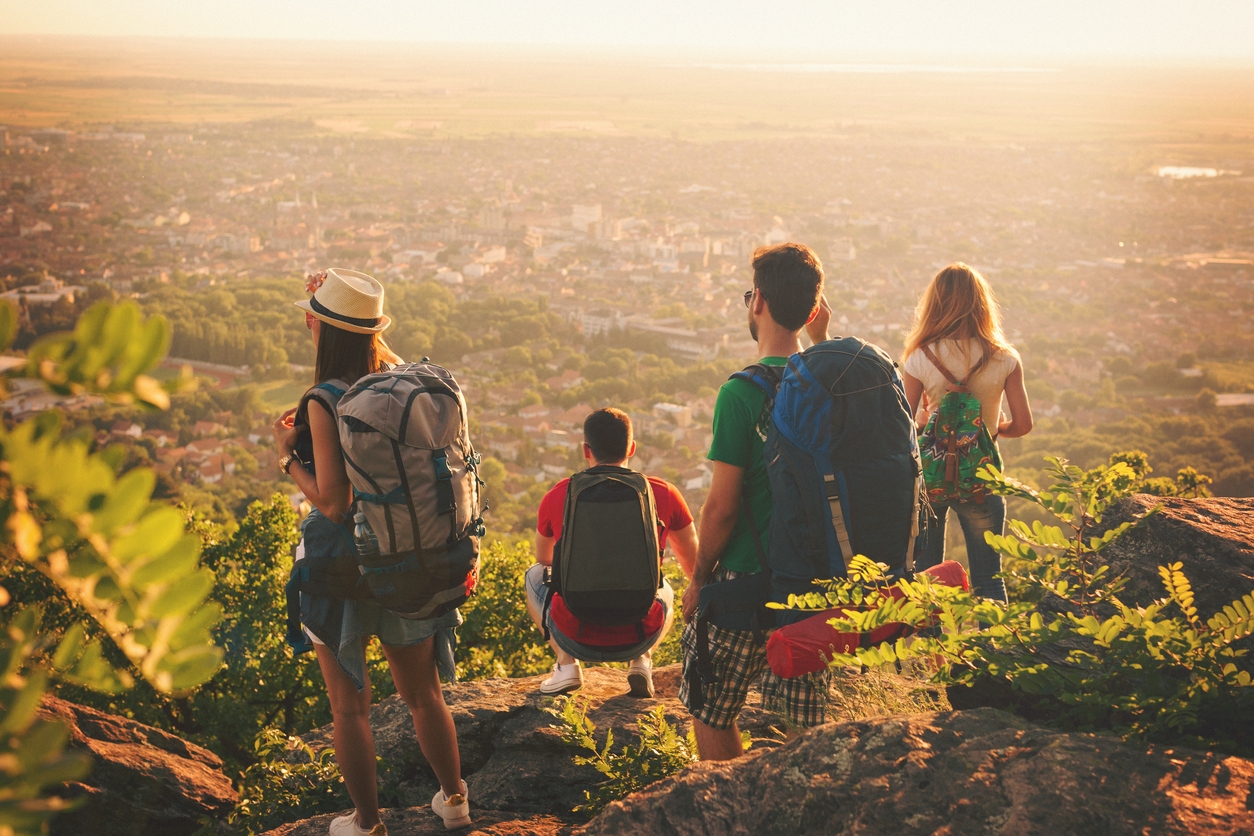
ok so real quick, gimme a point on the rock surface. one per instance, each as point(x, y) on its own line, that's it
point(420, 821)
point(1213, 538)
point(960, 772)
point(514, 762)
point(144, 780)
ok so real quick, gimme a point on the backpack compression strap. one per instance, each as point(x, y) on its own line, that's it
point(832, 489)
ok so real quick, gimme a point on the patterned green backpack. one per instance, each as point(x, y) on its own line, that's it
point(955, 444)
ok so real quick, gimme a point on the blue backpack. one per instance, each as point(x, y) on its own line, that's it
point(843, 463)
point(844, 467)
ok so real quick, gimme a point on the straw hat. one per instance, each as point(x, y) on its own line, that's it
point(349, 300)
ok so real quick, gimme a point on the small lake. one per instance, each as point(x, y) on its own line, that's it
point(1184, 172)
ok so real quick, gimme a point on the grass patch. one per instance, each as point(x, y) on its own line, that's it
point(1231, 377)
point(280, 395)
point(875, 693)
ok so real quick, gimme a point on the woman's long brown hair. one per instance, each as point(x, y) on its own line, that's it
point(958, 305)
point(347, 356)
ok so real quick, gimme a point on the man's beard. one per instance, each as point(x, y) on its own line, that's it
point(753, 327)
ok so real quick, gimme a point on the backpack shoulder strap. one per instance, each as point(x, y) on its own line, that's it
point(327, 393)
point(940, 367)
point(767, 378)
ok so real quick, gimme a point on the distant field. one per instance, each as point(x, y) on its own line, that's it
point(389, 90)
point(282, 394)
point(1232, 377)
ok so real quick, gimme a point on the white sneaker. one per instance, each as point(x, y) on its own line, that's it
point(565, 678)
point(640, 675)
point(455, 809)
point(347, 826)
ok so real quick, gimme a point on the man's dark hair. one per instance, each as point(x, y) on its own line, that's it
point(608, 432)
point(790, 279)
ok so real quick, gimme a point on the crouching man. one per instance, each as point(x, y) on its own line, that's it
point(597, 589)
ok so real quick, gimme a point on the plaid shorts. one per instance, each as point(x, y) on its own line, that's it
point(739, 659)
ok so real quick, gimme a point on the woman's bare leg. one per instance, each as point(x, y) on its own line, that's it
point(418, 683)
point(354, 744)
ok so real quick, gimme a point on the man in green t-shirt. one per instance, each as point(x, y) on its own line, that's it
point(787, 296)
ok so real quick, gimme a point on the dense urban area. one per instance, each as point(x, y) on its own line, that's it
point(555, 274)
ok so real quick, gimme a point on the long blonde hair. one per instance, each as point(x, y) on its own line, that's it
point(957, 305)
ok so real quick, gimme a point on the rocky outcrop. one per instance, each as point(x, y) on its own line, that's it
point(980, 771)
point(144, 781)
point(956, 772)
point(515, 763)
point(1213, 538)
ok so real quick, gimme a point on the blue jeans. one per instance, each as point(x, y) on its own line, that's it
point(975, 518)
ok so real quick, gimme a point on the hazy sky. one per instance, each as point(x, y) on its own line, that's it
point(956, 29)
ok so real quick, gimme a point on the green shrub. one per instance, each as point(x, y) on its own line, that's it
point(671, 650)
point(660, 752)
point(1088, 661)
point(287, 781)
point(103, 545)
point(498, 638)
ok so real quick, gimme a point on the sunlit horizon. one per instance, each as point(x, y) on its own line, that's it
point(793, 32)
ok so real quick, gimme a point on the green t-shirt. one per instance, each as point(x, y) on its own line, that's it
point(740, 425)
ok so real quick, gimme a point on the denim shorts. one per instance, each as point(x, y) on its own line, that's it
point(342, 624)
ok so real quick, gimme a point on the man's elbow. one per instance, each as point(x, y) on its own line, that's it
point(719, 515)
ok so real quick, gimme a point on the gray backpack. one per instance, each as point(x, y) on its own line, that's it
point(414, 476)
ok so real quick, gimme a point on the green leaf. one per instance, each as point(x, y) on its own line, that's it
point(127, 500)
point(70, 648)
point(180, 559)
point(156, 533)
point(191, 667)
point(182, 596)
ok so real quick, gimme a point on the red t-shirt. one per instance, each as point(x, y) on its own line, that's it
point(672, 514)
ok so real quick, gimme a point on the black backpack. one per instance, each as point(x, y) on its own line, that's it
point(607, 563)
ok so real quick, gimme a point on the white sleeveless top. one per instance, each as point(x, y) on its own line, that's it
point(958, 356)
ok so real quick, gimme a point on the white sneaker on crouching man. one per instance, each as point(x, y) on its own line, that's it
point(640, 675)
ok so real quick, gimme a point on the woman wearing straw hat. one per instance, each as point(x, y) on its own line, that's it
point(345, 317)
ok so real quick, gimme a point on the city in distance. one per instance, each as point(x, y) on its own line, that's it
point(566, 229)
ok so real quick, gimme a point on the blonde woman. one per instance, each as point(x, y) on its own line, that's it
point(957, 348)
point(345, 319)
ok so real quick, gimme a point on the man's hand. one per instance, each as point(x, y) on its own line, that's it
point(816, 328)
point(692, 598)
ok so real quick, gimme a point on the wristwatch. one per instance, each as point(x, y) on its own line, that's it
point(285, 463)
